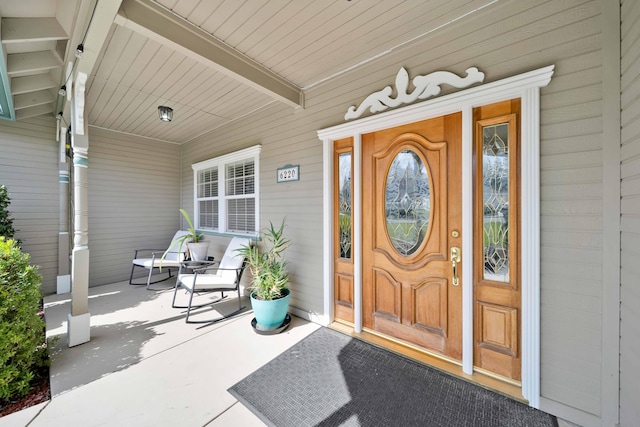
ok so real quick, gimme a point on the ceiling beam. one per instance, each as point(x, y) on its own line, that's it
point(99, 25)
point(160, 24)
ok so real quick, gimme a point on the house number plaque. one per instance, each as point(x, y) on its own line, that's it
point(288, 173)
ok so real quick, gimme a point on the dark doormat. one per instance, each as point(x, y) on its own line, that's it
point(330, 379)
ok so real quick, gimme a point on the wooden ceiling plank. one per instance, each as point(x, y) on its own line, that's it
point(238, 22)
point(186, 7)
point(346, 29)
point(160, 24)
point(33, 83)
point(222, 13)
point(353, 40)
point(117, 46)
point(20, 30)
point(288, 34)
point(127, 59)
point(126, 109)
point(160, 67)
point(110, 104)
point(271, 31)
point(320, 30)
point(189, 71)
point(95, 88)
point(201, 13)
point(144, 102)
point(149, 50)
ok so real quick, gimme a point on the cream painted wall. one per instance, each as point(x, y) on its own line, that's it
point(630, 219)
point(29, 169)
point(134, 193)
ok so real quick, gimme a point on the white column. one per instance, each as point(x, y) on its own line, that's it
point(78, 331)
point(357, 232)
point(328, 256)
point(467, 240)
point(64, 276)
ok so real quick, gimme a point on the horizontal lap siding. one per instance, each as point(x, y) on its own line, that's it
point(284, 141)
point(29, 169)
point(630, 220)
point(506, 39)
point(134, 190)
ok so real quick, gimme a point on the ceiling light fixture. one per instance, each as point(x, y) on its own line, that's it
point(79, 51)
point(165, 113)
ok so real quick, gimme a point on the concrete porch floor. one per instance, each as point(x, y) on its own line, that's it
point(144, 366)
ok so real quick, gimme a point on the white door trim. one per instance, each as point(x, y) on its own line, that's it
point(525, 86)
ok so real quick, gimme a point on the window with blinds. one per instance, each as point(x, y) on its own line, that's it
point(226, 196)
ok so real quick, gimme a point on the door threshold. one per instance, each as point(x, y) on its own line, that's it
point(506, 387)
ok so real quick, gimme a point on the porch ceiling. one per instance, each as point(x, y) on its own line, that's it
point(214, 61)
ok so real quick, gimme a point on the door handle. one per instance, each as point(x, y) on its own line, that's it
point(455, 259)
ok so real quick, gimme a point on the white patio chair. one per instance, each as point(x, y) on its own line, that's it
point(172, 261)
point(212, 276)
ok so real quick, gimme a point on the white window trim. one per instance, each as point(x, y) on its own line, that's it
point(220, 162)
point(525, 86)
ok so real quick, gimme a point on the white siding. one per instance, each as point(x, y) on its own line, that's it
point(134, 190)
point(630, 220)
point(29, 169)
point(524, 36)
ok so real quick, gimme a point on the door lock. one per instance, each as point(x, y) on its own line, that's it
point(455, 259)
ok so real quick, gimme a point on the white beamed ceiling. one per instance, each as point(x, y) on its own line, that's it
point(301, 42)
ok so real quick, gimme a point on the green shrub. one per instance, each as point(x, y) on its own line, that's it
point(6, 222)
point(22, 343)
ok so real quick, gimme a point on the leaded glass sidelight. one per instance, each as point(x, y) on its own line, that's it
point(407, 202)
point(344, 208)
point(495, 201)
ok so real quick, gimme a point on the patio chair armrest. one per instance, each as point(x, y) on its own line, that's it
point(214, 268)
point(152, 250)
point(160, 252)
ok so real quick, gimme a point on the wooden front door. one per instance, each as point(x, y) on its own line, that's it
point(412, 198)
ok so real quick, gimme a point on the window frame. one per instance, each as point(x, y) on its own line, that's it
point(221, 162)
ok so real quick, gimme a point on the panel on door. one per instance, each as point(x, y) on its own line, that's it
point(343, 230)
point(411, 219)
point(497, 305)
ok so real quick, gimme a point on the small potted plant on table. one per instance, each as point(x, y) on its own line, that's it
point(270, 279)
point(198, 248)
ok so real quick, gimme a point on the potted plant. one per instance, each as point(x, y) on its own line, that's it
point(270, 279)
point(194, 240)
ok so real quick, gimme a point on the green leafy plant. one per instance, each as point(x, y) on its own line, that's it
point(6, 222)
point(23, 348)
point(270, 278)
point(192, 236)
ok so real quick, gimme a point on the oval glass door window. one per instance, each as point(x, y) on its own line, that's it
point(407, 202)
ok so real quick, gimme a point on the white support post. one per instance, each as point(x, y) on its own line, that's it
point(357, 232)
point(327, 147)
point(63, 285)
point(78, 331)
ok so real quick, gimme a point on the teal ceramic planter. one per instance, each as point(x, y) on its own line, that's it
point(270, 314)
